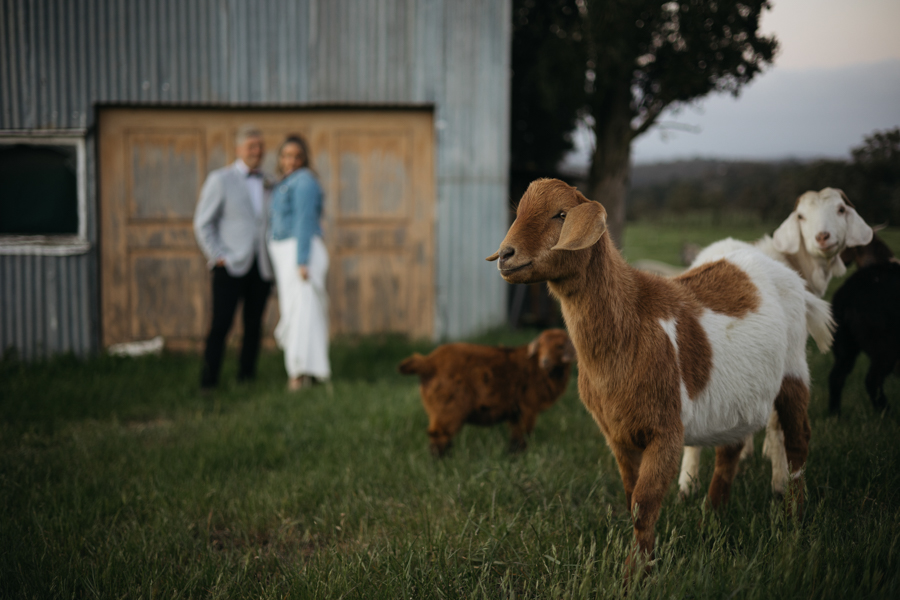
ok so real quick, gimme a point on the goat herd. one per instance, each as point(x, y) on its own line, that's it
point(668, 365)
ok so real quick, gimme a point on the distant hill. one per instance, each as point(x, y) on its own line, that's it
point(695, 169)
point(756, 190)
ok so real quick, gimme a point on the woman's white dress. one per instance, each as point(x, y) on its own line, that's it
point(302, 331)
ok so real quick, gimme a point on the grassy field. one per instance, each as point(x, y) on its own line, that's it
point(118, 480)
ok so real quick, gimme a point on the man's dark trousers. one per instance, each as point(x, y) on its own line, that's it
point(226, 292)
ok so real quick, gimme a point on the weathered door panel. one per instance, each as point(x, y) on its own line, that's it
point(377, 172)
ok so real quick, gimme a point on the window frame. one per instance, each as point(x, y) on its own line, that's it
point(52, 245)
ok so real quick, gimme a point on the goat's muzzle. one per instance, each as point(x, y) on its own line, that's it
point(827, 245)
point(507, 261)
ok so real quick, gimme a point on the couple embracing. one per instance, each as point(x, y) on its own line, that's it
point(250, 235)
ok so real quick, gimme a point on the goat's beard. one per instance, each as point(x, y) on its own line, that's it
point(827, 254)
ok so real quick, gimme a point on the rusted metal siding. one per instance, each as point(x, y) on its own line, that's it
point(59, 60)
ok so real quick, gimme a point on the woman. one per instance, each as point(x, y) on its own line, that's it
point(300, 262)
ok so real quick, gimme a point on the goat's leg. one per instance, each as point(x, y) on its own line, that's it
point(727, 460)
point(845, 352)
point(773, 448)
point(659, 465)
point(747, 447)
point(629, 461)
point(520, 429)
point(529, 419)
point(689, 478)
point(791, 404)
point(880, 367)
point(440, 434)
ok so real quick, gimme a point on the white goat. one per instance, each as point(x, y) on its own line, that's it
point(809, 241)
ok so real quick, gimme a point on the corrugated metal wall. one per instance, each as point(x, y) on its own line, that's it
point(59, 59)
point(50, 310)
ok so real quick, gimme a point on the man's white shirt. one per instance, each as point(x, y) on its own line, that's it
point(254, 185)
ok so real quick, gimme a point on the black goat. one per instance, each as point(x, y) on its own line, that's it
point(873, 253)
point(867, 312)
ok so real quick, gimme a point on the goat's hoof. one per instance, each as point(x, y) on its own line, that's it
point(439, 451)
point(517, 447)
point(637, 566)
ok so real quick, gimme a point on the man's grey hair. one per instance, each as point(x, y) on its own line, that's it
point(245, 132)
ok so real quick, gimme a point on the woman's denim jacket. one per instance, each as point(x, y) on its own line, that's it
point(295, 211)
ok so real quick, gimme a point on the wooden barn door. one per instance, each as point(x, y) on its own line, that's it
point(377, 171)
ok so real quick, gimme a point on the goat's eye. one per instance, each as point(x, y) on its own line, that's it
point(561, 215)
point(842, 210)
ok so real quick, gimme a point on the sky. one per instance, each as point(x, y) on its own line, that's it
point(835, 80)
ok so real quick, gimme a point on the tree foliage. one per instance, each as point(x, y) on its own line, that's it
point(549, 61)
point(621, 63)
point(671, 52)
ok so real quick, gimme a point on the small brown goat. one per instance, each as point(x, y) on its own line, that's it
point(484, 385)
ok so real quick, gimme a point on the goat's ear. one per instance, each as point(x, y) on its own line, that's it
point(858, 232)
point(787, 237)
point(532, 348)
point(493, 256)
point(583, 227)
point(844, 198)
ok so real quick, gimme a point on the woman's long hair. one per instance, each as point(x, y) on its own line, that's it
point(296, 138)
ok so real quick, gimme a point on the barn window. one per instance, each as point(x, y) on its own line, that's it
point(42, 197)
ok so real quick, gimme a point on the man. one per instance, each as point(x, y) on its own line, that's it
point(230, 225)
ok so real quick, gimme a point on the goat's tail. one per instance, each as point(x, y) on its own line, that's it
point(416, 364)
point(819, 322)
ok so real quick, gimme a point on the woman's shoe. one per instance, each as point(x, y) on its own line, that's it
point(295, 384)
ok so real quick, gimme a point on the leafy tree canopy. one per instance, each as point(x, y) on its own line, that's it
point(671, 52)
point(880, 152)
point(620, 64)
point(549, 62)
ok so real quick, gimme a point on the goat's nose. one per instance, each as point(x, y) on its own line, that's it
point(822, 237)
point(506, 253)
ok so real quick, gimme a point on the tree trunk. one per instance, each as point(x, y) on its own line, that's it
point(611, 163)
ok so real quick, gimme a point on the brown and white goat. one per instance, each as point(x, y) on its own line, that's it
point(484, 385)
point(699, 359)
point(810, 240)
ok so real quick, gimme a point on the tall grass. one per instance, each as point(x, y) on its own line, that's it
point(119, 480)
